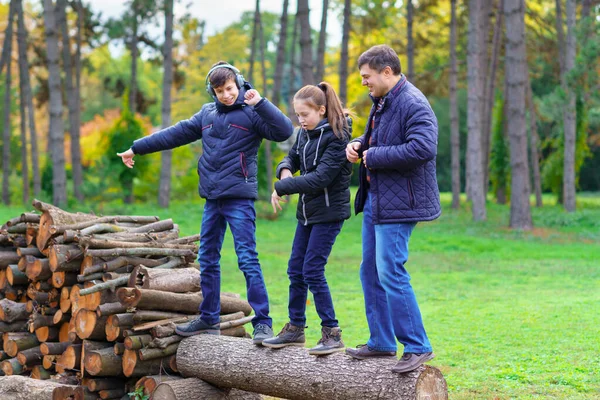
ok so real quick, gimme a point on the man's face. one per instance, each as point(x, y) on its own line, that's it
point(228, 93)
point(375, 81)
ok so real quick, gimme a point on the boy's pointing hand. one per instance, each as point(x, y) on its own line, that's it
point(127, 157)
point(252, 97)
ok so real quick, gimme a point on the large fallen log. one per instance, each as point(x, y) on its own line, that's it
point(185, 280)
point(22, 388)
point(293, 374)
point(147, 299)
point(194, 388)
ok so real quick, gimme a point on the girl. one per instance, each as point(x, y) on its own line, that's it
point(323, 205)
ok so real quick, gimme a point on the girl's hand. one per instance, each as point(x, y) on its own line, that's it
point(352, 151)
point(275, 199)
point(127, 157)
point(252, 97)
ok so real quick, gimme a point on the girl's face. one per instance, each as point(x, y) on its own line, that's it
point(308, 116)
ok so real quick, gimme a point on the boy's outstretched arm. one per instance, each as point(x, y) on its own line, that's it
point(268, 120)
point(182, 133)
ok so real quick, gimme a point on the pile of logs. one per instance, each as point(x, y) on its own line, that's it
point(90, 302)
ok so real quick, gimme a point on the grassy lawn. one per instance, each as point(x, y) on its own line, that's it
point(509, 314)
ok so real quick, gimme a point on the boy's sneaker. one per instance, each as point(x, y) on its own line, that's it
point(261, 332)
point(362, 351)
point(196, 327)
point(411, 361)
point(330, 342)
point(290, 335)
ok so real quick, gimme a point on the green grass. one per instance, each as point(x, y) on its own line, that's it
point(510, 314)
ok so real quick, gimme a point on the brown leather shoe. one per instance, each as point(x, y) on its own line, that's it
point(411, 361)
point(362, 351)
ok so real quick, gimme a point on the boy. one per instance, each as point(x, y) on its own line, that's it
point(231, 129)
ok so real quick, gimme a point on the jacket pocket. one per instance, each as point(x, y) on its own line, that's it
point(244, 165)
point(411, 194)
point(239, 127)
point(207, 127)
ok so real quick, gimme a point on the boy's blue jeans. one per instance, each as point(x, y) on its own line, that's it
point(390, 303)
point(241, 217)
point(306, 270)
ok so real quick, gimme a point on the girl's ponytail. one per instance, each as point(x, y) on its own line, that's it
point(336, 115)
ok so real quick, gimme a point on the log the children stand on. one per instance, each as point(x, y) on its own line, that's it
point(88, 310)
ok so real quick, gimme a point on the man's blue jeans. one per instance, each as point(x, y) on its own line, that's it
point(390, 303)
point(306, 270)
point(241, 217)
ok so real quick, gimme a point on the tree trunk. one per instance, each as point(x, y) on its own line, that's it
point(322, 43)
point(343, 91)
point(306, 54)
point(6, 54)
point(293, 67)
point(454, 124)
point(520, 212)
point(280, 61)
point(57, 132)
point(133, 48)
point(569, 114)
point(292, 374)
point(7, 112)
point(146, 299)
point(23, 388)
point(194, 388)
point(78, 7)
point(11, 311)
point(253, 43)
point(475, 174)
point(410, 48)
point(534, 144)
point(71, 100)
point(89, 326)
point(490, 88)
point(103, 362)
point(560, 39)
point(23, 82)
point(181, 281)
point(266, 143)
point(54, 348)
point(164, 191)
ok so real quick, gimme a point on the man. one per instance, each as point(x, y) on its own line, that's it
point(397, 189)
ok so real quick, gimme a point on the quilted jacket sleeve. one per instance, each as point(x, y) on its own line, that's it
point(421, 132)
point(270, 122)
point(292, 160)
point(182, 133)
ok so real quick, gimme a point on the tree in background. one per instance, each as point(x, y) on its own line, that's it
point(7, 61)
point(306, 51)
point(454, 130)
point(343, 89)
point(410, 47)
point(570, 115)
point(320, 72)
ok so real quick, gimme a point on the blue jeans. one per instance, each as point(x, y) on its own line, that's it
point(241, 217)
point(306, 270)
point(390, 303)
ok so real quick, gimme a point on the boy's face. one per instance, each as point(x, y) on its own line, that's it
point(308, 116)
point(228, 93)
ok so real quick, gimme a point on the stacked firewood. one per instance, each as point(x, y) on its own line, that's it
point(93, 301)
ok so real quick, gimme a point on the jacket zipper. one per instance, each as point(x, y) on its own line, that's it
point(411, 195)
point(244, 166)
point(305, 169)
point(207, 126)
point(239, 127)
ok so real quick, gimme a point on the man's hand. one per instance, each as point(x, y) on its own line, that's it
point(285, 173)
point(352, 151)
point(275, 199)
point(252, 97)
point(364, 158)
point(127, 157)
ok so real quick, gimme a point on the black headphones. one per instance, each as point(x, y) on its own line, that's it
point(239, 79)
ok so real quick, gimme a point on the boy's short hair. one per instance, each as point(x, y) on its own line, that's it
point(381, 56)
point(221, 75)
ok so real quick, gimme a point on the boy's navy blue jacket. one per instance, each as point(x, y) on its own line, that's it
point(402, 138)
point(231, 137)
point(324, 181)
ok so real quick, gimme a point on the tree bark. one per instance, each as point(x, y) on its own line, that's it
point(97, 384)
point(134, 367)
point(103, 362)
point(291, 373)
point(475, 174)
point(293, 66)
point(194, 388)
point(280, 60)
point(146, 299)
point(253, 39)
point(6, 54)
point(306, 62)
point(89, 326)
point(520, 212)
point(164, 191)
point(343, 91)
point(23, 388)
point(11, 311)
point(569, 114)
point(23, 82)
point(54, 348)
point(133, 48)
point(534, 144)
point(181, 281)
point(454, 123)
point(410, 48)
point(322, 43)
point(7, 112)
point(72, 104)
point(57, 132)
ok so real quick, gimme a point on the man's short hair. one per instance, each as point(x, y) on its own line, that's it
point(219, 76)
point(380, 56)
